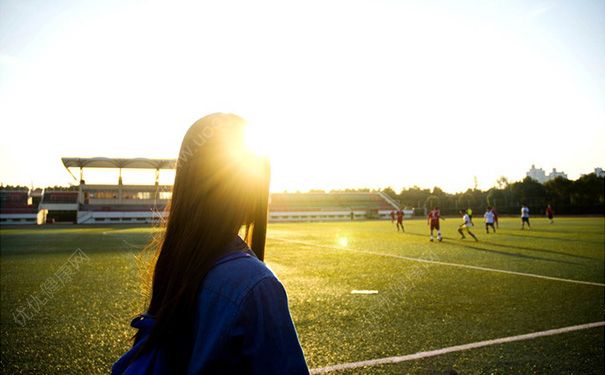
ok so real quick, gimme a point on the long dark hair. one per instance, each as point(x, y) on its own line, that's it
point(219, 188)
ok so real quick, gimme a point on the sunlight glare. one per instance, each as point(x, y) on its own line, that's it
point(259, 139)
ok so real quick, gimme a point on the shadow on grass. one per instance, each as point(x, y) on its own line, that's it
point(517, 255)
point(551, 238)
point(453, 240)
point(540, 250)
point(570, 232)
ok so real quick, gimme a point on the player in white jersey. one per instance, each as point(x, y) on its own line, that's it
point(489, 218)
point(524, 216)
point(466, 226)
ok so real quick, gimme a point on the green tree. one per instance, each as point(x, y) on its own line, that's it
point(414, 196)
point(502, 182)
point(558, 193)
point(466, 200)
point(588, 190)
point(530, 192)
point(495, 197)
point(432, 201)
point(390, 192)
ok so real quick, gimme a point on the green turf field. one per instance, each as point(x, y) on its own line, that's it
point(81, 323)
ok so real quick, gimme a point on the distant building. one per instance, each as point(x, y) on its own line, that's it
point(554, 174)
point(599, 172)
point(539, 175)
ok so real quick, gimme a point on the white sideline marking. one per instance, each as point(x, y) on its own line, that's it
point(457, 348)
point(447, 263)
point(109, 233)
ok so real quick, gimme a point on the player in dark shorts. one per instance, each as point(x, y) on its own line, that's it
point(433, 221)
point(489, 220)
point(400, 220)
point(392, 217)
point(495, 217)
point(550, 214)
point(524, 216)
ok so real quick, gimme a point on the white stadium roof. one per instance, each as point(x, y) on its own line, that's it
point(137, 163)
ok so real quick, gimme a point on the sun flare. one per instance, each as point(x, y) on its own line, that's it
point(259, 139)
point(343, 241)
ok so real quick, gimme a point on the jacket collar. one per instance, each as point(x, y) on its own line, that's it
point(236, 249)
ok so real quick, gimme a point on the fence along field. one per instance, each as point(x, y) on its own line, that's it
point(431, 296)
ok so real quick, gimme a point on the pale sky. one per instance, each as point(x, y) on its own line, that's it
point(345, 93)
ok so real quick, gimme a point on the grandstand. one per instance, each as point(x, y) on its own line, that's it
point(333, 206)
point(61, 206)
point(16, 207)
point(145, 203)
point(118, 203)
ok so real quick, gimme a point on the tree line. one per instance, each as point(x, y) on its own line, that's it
point(582, 196)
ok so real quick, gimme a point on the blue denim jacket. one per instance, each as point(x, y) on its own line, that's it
point(243, 325)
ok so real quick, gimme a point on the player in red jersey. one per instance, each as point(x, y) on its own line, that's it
point(550, 213)
point(400, 220)
point(392, 217)
point(433, 221)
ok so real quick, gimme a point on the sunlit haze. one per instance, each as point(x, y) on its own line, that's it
point(339, 94)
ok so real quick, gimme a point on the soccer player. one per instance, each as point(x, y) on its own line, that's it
point(469, 212)
point(400, 220)
point(392, 217)
point(524, 216)
point(466, 225)
point(433, 221)
point(495, 217)
point(550, 214)
point(489, 220)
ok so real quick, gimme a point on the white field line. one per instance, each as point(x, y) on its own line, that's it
point(423, 260)
point(452, 349)
point(110, 234)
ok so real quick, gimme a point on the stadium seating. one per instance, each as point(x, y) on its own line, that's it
point(147, 203)
point(60, 197)
point(15, 208)
point(13, 198)
point(136, 204)
point(60, 206)
point(327, 201)
point(123, 203)
point(131, 204)
point(328, 206)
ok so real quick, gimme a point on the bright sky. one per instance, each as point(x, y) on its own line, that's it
point(345, 93)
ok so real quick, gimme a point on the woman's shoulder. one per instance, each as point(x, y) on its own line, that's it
point(240, 266)
point(234, 276)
